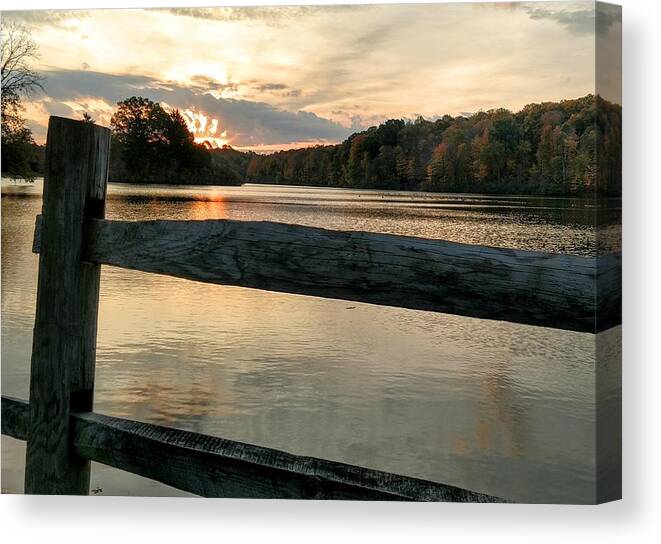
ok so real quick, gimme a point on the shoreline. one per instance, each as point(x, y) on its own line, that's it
point(8, 183)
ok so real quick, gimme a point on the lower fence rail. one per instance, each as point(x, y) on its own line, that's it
point(214, 467)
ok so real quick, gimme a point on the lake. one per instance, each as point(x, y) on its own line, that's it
point(495, 407)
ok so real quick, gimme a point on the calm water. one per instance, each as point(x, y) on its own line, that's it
point(495, 407)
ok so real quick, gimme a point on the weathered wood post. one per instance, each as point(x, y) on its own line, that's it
point(64, 341)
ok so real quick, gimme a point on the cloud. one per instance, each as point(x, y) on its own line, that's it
point(579, 18)
point(59, 109)
point(578, 22)
point(608, 16)
point(368, 62)
point(206, 83)
point(359, 121)
point(247, 122)
point(278, 89)
point(271, 16)
point(271, 87)
point(36, 18)
point(65, 85)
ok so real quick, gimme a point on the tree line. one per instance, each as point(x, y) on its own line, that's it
point(546, 148)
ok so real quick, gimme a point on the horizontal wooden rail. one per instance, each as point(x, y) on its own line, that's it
point(15, 418)
point(551, 290)
point(214, 467)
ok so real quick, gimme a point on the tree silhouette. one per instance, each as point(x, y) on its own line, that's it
point(18, 80)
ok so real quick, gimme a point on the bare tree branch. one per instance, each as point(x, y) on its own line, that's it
point(18, 51)
point(17, 81)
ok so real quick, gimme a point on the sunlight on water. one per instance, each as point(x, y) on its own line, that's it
point(492, 406)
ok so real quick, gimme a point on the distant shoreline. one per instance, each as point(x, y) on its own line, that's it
point(8, 183)
point(421, 189)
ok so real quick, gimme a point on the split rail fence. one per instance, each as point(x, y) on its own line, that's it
point(73, 239)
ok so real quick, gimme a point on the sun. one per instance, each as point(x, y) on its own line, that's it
point(205, 128)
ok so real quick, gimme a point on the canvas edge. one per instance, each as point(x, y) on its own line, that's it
point(608, 344)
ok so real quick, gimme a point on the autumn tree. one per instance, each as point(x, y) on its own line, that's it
point(546, 148)
point(357, 160)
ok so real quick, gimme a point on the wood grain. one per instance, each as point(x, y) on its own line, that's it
point(15, 418)
point(551, 290)
point(67, 296)
point(214, 467)
point(82, 377)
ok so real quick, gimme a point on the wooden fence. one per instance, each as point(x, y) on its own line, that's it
point(73, 239)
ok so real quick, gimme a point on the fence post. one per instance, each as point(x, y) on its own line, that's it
point(64, 341)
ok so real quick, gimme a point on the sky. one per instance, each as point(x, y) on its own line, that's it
point(269, 78)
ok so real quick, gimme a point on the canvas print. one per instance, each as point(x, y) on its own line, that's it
point(352, 252)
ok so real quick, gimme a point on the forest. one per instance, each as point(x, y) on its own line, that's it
point(550, 148)
point(547, 148)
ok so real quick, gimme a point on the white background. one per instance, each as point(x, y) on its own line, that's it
point(97, 520)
